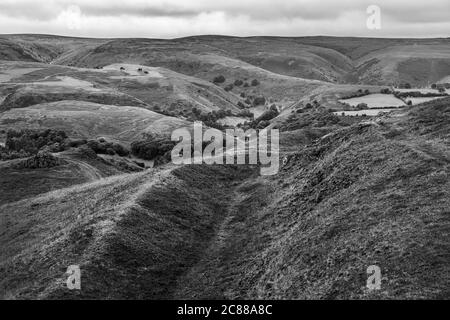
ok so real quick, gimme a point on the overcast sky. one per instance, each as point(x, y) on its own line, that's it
point(178, 18)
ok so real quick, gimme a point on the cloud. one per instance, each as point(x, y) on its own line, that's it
point(175, 18)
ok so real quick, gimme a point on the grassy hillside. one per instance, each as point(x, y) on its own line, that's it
point(373, 193)
point(331, 59)
point(133, 235)
point(370, 194)
point(162, 90)
point(351, 191)
point(75, 167)
point(80, 119)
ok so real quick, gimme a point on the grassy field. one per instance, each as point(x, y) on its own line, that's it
point(376, 100)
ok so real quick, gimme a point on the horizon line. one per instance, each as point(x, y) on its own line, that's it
point(222, 35)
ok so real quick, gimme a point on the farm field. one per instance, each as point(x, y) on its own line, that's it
point(368, 112)
point(375, 100)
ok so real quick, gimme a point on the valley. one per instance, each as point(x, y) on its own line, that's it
point(86, 176)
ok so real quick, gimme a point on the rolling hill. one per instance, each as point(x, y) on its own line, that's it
point(339, 60)
point(351, 191)
point(353, 198)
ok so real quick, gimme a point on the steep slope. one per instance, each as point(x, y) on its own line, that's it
point(375, 193)
point(42, 48)
point(132, 236)
point(371, 194)
point(419, 65)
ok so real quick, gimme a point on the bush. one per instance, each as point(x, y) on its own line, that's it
point(268, 115)
point(259, 101)
point(101, 146)
point(362, 106)
point(151, 148)
point(40, 160)
point(31, 141)
point(245, 114)
point(229, 87)
point(255, 82)
point(238, 83)
point(110, 151)
point(75, 143)
point(263, 124)
point(219, 79)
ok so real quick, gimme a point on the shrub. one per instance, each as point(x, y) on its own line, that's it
point(259, 101)
point(262, 124)
point(40, 160)
point(151, 148)
point(219, 79)
point(75, 143)
point(268, 115)
point(31, 141)
point(255, 82)
point(245, 114)
point(362, 106)
point(229, 87)
point(101, 146)
point(238, 83)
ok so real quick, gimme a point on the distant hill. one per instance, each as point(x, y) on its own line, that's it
point(333, 59)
